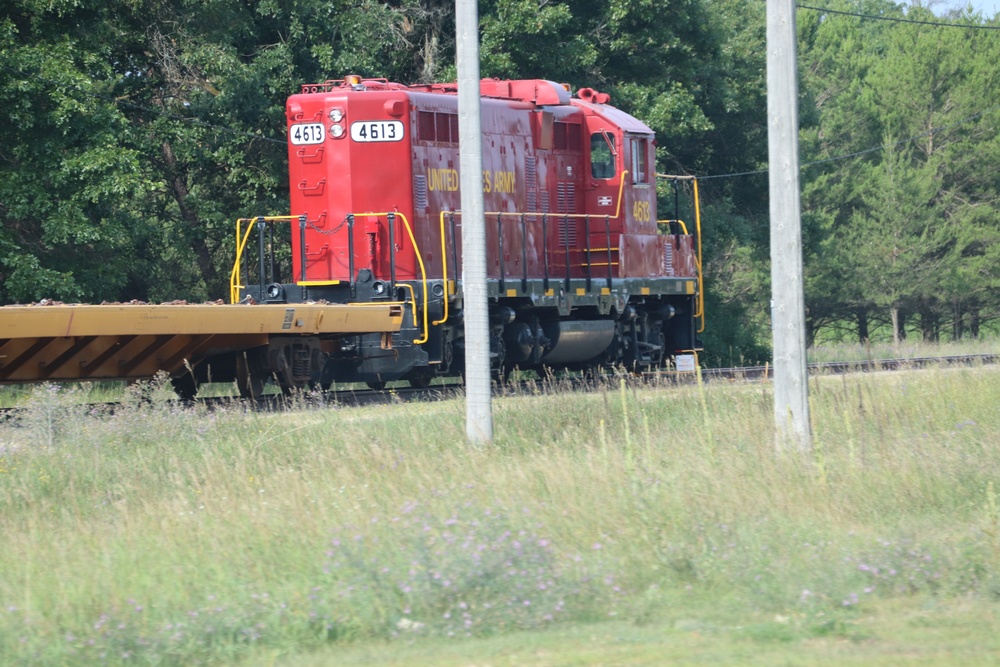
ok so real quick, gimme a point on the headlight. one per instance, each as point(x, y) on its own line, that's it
point(336, 114)
point(336, 131)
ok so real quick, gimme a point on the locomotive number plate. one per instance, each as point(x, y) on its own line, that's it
point(377, 130)
point(302, 134)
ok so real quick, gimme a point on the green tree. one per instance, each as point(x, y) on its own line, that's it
point(69, 230)
point(899, 227)
point(838, 116)
point(141, 129)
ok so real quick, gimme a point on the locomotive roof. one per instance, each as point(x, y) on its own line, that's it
point(615, 116)
point(535, 91)
point(538, 92)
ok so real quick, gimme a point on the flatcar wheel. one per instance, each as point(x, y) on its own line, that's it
point(185, 387)
point(251, 374)
point(377, 385)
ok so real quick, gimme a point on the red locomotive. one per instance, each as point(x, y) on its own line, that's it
point(580, 273)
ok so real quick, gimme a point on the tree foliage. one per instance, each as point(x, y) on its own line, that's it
point(135, 131)
point(897, 240)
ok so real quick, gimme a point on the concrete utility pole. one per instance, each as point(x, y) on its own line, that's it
point(478, 398)
point(791, 385)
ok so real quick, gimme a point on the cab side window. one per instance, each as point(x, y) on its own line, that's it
point(602, 155)
point(640, 168)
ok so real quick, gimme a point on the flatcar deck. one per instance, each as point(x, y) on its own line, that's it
point(91, 342)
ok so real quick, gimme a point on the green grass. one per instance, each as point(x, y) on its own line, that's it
point(914, 631)
point(659, 521)
point(907, 349)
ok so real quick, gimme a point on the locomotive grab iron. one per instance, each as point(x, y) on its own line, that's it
point(581, 274)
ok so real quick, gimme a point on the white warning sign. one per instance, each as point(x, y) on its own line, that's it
point(685, 363)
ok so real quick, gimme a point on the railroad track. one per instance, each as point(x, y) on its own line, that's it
point(557, 382)
point(841, 367)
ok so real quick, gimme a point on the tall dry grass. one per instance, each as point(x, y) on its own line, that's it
point(164, 535)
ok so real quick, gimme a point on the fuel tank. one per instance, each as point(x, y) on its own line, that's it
point(576, 341)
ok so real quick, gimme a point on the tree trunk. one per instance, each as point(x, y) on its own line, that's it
point(929, 326)
point(429, 68)
point(862, 315)
point(898, 325)
point(810, 333)
point(196, 235)
point(957, 322)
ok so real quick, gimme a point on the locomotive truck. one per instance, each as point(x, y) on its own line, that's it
point(581, 274)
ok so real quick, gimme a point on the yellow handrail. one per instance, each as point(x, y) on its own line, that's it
point(243, 237)
point(423, 278)
point(595, 216)
point(420, 260)
point(234, 287)
point(621, 189)
point(700, 312)
point(444, 269)
point(241, 242)
point(701, 279)
point(511, 214)
point(678, 221)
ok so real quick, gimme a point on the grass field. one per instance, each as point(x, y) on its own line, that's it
point(622, 527)
point(907, 349)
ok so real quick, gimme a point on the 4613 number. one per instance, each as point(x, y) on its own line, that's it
point(640, 211)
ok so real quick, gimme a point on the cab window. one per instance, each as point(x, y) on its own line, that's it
point(640, 166)
point(602, 155)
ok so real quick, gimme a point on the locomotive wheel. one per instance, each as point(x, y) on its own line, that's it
point(377, 385)
point(501, 375)
point(251, 374)
point(420, 381)
point(593, 374)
